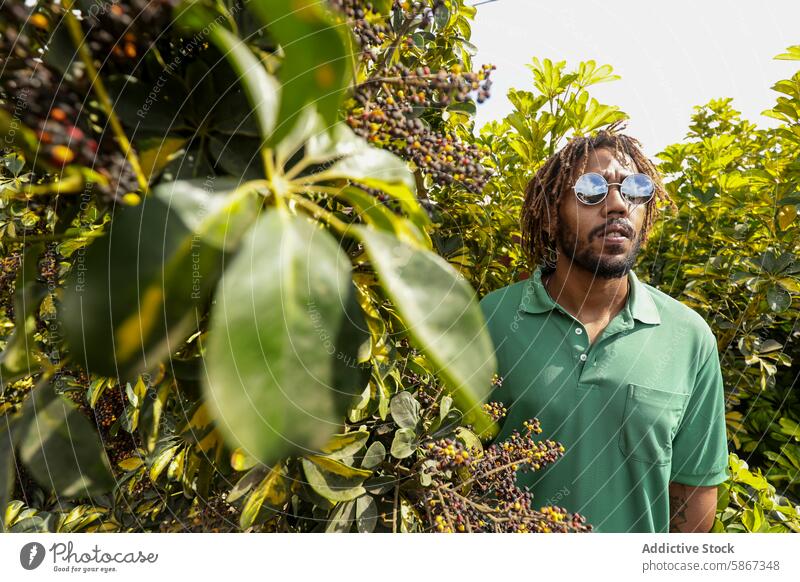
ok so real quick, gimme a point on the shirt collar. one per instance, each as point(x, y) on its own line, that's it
point(640, 304)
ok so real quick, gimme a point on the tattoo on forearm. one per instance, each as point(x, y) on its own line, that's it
point(677, 507)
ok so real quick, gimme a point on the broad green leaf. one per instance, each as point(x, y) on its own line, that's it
point(162, 461)
point(316, 64)
point(791, 54)
point(260, 87)
point(246, 483)
point(60, 448)
point(156, 158)
point(442, 316)
point(334, 480)
point(778, 298)
point(366, 514)
point(241, 461)
point(341, 520)
point(352, 158)
point(374, 456)
point(343, 446)
point(217, 210)
point(377, 215)
point(405, 410)
point(137, 292)
point(272, 491)
point(282, 358)
point(131, 463)
point(470, 440)
point(404, 443)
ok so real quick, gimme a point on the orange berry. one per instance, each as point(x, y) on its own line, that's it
point(39, 20)
point(61, 154)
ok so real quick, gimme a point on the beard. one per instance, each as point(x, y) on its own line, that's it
point(606, 267)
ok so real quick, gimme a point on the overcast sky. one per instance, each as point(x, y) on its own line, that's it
point(671, 55)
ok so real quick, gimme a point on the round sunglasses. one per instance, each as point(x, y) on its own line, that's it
point(592, 188)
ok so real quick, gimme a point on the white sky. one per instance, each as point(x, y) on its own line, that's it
point(671, 55)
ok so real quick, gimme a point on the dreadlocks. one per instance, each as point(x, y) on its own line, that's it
point(543, 193)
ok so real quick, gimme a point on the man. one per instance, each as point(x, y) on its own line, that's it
point(624, 376)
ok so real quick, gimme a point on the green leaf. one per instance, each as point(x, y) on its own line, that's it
point(282, 360)
point(355, 160)
point(377, 215)
point(246, 483)
point(137, 292)
point(447, 425)
point(273, 491)
point(334, 480)
point(60, 448)
point(404, 443)
point(778, 298)
point(341, 520)
point(17, 359)
point(316, 65)
point(162, 461)
point(259, 86)
point(442, 316)
point(405, 410)
point(374, 456)
point(343, 446)
point(217, 210)
point(792, 54)
point(366, 514)
point(444, 406)
point(8, 467)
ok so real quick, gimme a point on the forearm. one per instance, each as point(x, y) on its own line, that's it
point(691, 509)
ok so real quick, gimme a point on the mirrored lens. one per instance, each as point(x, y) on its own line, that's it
point(638, 188)
point(591, 188)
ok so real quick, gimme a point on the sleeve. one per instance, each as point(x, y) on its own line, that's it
point(700, 446)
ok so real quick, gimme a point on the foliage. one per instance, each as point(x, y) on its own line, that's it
point(732, 254)
point(239, 259)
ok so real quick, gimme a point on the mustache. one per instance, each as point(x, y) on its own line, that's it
point(624, 225)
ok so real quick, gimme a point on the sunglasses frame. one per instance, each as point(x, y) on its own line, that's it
point(609, 184)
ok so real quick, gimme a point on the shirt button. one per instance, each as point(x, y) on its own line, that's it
point(583, 357)
point(578, 331)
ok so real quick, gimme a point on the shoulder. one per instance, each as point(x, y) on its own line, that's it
point(501, 306)
point(504, 299)
point(683, 320)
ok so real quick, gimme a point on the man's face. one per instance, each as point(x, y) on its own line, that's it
point(582, 236)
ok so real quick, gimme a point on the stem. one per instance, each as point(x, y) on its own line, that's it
point(53, 237)
point(318, 212)
point(72, 184)
point(394, 509)
point(76, 33)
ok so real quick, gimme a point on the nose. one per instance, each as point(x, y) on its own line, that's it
point(615, 203)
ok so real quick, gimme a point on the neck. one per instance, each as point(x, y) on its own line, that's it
point(583, 294)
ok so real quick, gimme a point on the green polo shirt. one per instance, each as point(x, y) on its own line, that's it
point(640, 407)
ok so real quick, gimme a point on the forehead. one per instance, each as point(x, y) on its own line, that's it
point(603, 161)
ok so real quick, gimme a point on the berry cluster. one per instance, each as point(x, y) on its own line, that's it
point(478, 493)
point(449, 454)
point(392, 104)
point(52, 105)
point(387, 115)
point(495, 409)
point(368, 26)
point(125, 31)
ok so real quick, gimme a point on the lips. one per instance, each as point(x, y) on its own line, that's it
point(617, 232)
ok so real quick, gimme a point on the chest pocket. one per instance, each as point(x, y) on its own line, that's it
point(650, 420)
